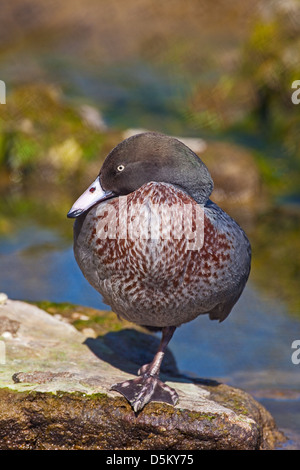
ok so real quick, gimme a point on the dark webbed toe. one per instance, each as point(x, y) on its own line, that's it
point(145, 389)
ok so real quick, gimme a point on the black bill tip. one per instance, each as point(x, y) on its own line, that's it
point(72, 214)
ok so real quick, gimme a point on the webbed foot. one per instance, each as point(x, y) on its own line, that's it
point(145, 389)
point(148, 387)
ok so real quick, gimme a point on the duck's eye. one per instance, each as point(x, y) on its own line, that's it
point(120, 167)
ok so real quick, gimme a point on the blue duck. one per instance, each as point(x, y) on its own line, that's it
point(148, 238)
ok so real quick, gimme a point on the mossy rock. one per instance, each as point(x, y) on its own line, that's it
point(55, 391)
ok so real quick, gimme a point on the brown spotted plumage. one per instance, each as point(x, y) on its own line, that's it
point(160, 253)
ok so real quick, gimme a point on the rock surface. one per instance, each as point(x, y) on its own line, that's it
point(55, 390)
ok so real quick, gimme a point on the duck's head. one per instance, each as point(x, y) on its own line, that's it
point(143, 158)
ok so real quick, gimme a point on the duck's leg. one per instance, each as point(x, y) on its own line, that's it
point(148, 387)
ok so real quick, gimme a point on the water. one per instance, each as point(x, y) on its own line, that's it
point(251, 349)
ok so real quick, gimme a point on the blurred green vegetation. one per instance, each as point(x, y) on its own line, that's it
point(48, 151)
point(38, 128)
point(237, 87)
point(276, 261)
point(252, 102)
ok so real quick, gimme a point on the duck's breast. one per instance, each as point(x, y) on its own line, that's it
point(157, 257)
